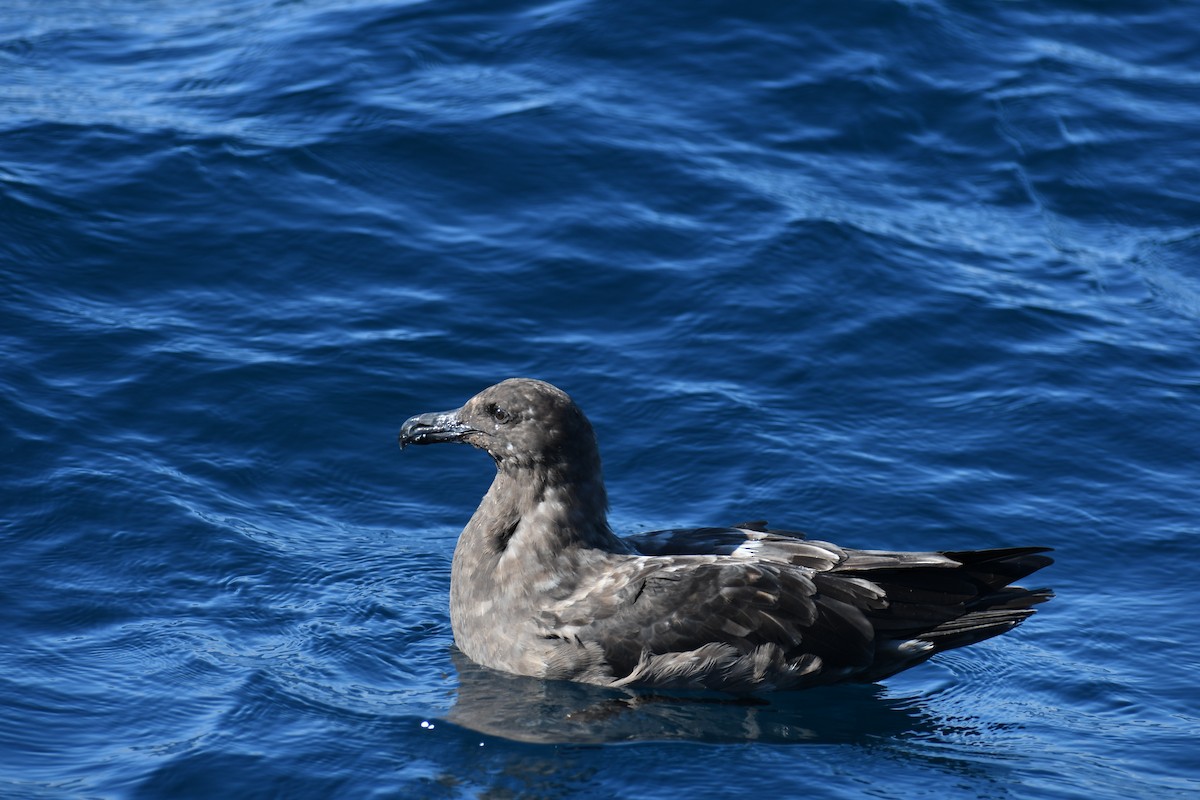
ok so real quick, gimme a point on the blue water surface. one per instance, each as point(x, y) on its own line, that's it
point(904, 275)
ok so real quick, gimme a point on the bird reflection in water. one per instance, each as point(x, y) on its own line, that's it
point(526, 709)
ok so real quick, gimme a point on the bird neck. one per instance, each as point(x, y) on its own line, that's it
point(548, 507)
point(528, 538)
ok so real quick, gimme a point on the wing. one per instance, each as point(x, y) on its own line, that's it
point(748, 540)
point(722, 622)
point(747, 607)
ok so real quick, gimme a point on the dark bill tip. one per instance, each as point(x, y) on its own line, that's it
point(432, 428)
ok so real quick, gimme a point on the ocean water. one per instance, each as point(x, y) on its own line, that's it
point(904, 275)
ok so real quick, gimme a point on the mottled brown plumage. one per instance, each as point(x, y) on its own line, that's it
point(541, 586)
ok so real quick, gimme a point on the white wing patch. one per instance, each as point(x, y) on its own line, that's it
point(748, 550)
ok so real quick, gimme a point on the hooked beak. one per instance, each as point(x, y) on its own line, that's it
point(433, 428)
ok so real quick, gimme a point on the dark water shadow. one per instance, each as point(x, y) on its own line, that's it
point(559, 712)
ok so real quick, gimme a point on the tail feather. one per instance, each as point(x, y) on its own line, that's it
point(999, 568)
point(1011, 597)
point(973, 628)
point(954, 604)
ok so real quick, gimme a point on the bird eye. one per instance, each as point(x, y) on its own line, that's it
point(500, 415)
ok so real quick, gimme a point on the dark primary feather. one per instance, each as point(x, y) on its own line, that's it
point(540, 585)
